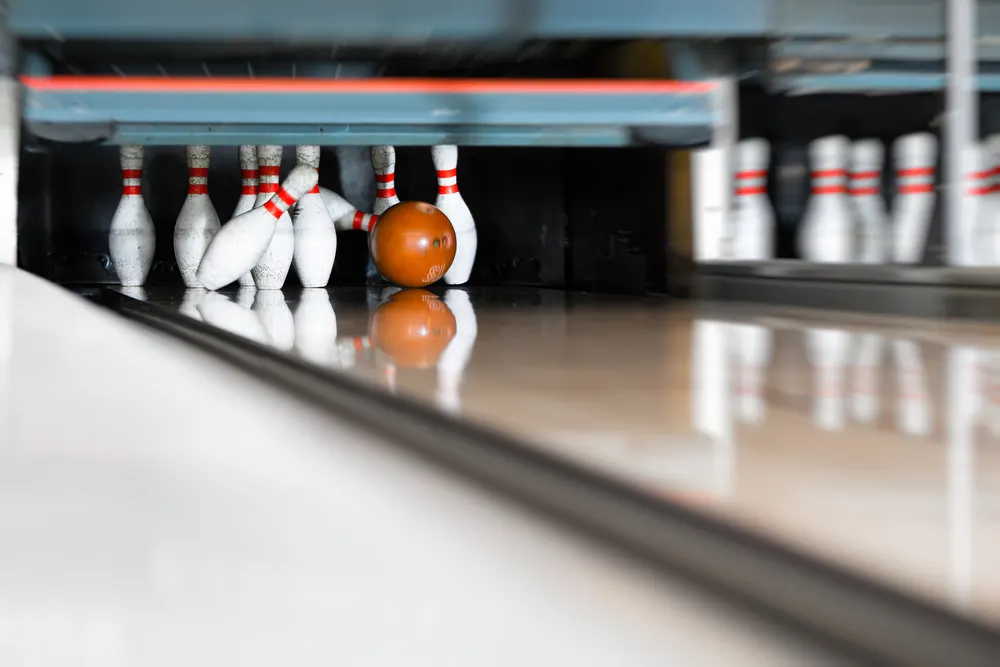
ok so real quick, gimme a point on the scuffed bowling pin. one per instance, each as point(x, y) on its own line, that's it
point(241, 243)
point(450, 201)
point(753, 217)
point(384, 166)
point(315, 235)
point(248, 196)
point(915, 156)
point(827, 229)
point(132, 238)
point(197, 223)
point(272, 268)
point(867, 157)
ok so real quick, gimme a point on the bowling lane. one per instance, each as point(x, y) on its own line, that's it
point(873, 443)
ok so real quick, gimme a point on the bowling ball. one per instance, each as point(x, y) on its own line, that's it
point(413, 327)
point(412, 244)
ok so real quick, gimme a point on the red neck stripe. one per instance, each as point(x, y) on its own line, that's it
point(448, 173)
point(285, 197)
point(248, 173)
point(273, 208)
point(131, 173)
point(268, 170)
point(385, 178)
point(448, 189)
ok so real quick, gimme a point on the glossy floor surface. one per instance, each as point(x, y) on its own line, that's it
point(161, 507)
point(872, 443)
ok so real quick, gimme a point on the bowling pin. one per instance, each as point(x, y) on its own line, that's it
point(189, 302)
point(314, 233)
point(915, 156)
point(272, 267)
point(242, 241)
point(276, 318)
point(993, 149)
point(197, 222)
point(826, 230)
point(751, 344)
point(450, 201)
point(828, 350)
point(867, 157)
point(316, 327)
point(455, 358)
point(384, 166)
point(245, 296)
point(753, 217)
point(132, 238)
point(248, 196)
point(980, 244)
point(346, 217)
point(224, 314)
point(866, 373)
point(137, 292)
point(913, 411)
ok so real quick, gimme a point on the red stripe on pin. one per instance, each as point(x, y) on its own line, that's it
point(131, 173)
point(285, 197)
point(829, 173)
point(829, 190)
point(273, 208)
point(915, 171)
point(268, 170)
point(385, 178)
point(759, 190)
point(315, 190)
point(359, 218)
point(198, 189)
point(448, 189)
point(197, 172)
point(864, 191)
point(249, 190)
point(248, 173)
point(448, 173)
point(269, 187)
point(981, 191)
point(132, 190)
point(387, 193)
point(743, 175)
point(915, 189)
point(866, 174)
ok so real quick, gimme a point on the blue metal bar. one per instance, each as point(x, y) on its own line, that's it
point(340, 112)
point(903, 82)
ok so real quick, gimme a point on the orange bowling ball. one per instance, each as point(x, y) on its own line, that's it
point(413, 327)
point(412, 244)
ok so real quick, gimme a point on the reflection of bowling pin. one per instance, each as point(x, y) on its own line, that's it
point(455, 358)
point(189, 302)
point(450, 201)
point(276, 318)
point(827, 231)
point(315, 236)
point(248, 196)
point(710, 379)
point(137, 292)
point(828, 350)
point(913, 412)
point(751, 346)
point(915, 156)
point(245, 296)
point(273, 266)
point(384, 166)
point(315, 327)
point(222, 313)
point(197, 223)
point(961, 461)
point(753, 217)
point(867, 157)
point(132, 238)
point(866, 372)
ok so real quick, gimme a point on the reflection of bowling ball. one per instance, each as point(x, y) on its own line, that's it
point(413, 327)
point(412, 244)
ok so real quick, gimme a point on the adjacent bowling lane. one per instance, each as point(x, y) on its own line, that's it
point(873, 443)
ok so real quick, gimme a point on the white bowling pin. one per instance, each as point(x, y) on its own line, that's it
point(137, 292)
point(867, 157)
point(915, 156)
point(993, 149)
point(450, 201)
point(751, 345)
point(981, 241)
point(272, 267)
point(827, 229)
point(248, 196)
point(753, 216)
point(132, 238)
point(197, 222)
point(245, 296)
point(315, 235)
point(828, 350)
point(346, 217)
point(276, 318)
point(384, 166)
point(866, 372)
point(913, 411)
point(242, 241)
point(316, 327)
point(455, 358)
